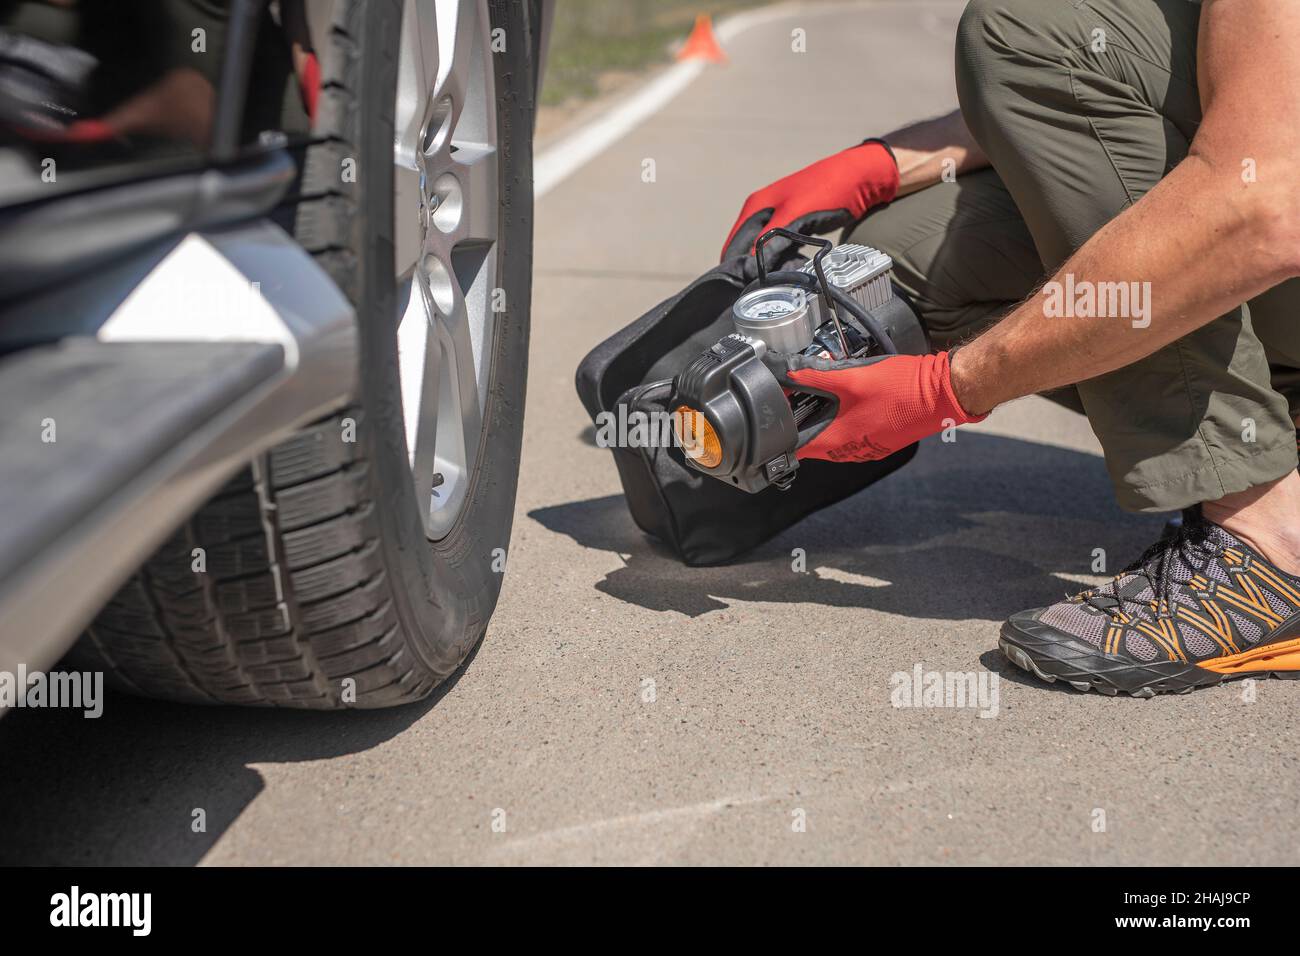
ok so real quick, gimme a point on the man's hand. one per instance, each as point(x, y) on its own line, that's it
point(179, 106)
point(1205, 238)
point(830, 194)
point(839, 190)
point(881, 404)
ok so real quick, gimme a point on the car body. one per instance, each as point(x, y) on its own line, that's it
point(161, 324)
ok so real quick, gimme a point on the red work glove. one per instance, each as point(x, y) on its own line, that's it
point(830, 194)
point(80, 131)
point(90, 131)
point(880, 404)
point(309, 84)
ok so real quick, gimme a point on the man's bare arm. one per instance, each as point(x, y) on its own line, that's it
point(1205, 238)
point(927, 150)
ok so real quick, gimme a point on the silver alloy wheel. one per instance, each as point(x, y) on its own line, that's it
point(445, 235)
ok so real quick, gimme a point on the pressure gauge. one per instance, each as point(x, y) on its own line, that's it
point(780, 315)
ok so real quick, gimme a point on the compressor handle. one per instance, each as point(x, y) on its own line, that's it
point(832, 294)
point(825, 246)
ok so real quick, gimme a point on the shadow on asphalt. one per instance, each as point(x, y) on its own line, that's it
point(975, 529)
point(122, 789)
point(972, 530)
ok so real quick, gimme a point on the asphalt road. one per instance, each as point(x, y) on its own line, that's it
point(771, 737)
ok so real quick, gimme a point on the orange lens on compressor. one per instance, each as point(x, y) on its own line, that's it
point(696, 436)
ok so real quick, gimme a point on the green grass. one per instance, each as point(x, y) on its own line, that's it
point(593, 37)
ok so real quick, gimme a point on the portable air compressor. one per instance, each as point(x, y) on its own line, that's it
point(733, 419)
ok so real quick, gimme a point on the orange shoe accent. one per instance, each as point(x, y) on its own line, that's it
point(702, 44)
point(1274, 580)
point(1217, 631)
point(1252, 602)
point(1282, 656)
point(1113, 634)
point(1165, 636)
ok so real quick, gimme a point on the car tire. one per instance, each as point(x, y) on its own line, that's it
point(319, 586)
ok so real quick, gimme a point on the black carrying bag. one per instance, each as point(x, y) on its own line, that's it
point(703, 520)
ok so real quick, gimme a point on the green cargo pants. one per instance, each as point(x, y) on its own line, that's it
point(1081, 107)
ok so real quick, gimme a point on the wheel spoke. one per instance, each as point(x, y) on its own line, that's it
point(456, 26)
point(408, 214)
point(476, 273)
point(458, 348)
point(418, 367)
point(417, 65)
point(475, 172)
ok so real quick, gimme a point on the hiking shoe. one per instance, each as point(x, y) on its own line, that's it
point(1198, 608)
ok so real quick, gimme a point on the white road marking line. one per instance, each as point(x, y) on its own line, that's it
point(558, 162)
point(583, 832)
point(567, 156)
point(563, 159)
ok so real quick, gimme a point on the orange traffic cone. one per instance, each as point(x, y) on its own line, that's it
point(702, 44)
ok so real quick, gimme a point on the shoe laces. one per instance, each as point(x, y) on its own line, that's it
point(1194, 542)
